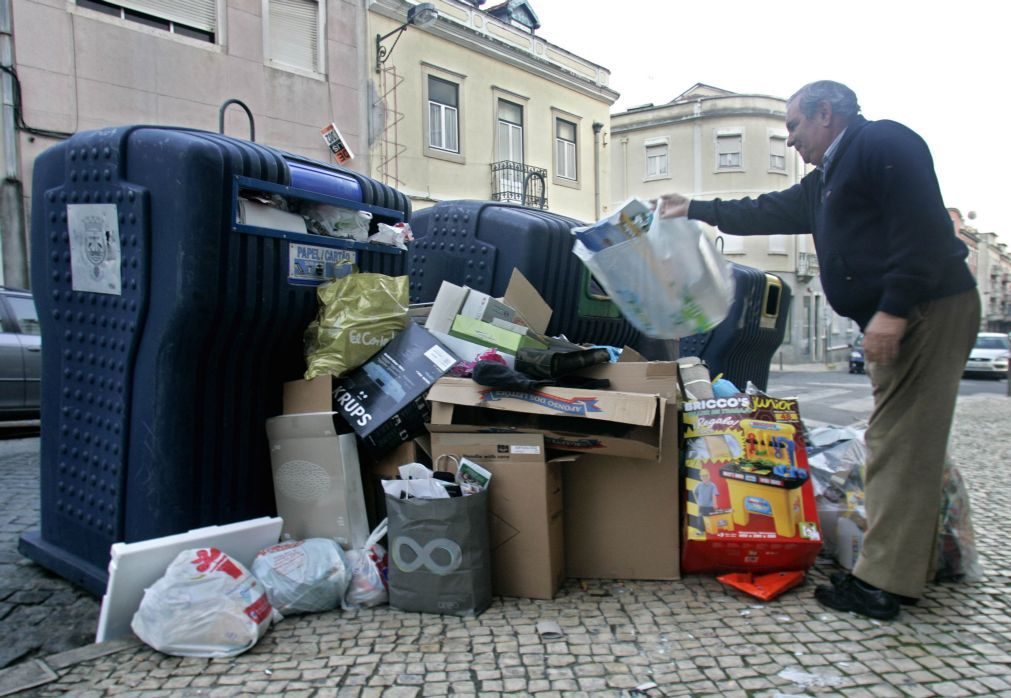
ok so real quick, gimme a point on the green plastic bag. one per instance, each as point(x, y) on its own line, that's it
point(358, 315)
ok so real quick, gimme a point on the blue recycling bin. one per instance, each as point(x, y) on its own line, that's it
point(742, 346)
point(169, 324)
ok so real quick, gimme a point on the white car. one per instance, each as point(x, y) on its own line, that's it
point(989, 355)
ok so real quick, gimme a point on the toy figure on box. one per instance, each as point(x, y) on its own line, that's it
point(891, 262)
point(705, 493)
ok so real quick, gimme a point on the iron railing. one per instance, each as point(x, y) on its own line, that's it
point(807, 265)
point(519, 183)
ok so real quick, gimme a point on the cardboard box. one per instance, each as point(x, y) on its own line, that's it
point(317, 478)
point(481, 306)
point(468, 351)
point(525, 503)
point(750, 503)
point(448, 302)
point(490, 335)
point(622, 515)
point(383, 401)
point(586, 421)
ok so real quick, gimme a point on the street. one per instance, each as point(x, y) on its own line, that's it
point(840, 398)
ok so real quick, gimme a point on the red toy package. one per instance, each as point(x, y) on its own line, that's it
point(749, 501)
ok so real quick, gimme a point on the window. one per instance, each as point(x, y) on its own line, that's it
point(24, 310)
point(777, 154)
point(656, 161)
point(565, 149)
point(728, 151)
point(292, 32)
point(443, 114)
point(777, 244)
point(196, 19)
point(510, 132)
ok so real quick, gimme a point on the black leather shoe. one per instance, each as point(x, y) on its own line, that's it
point(850, 594)
point(837, 577)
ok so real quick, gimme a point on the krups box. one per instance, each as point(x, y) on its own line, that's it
point(383, 401)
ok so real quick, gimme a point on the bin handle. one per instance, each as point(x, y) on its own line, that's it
point(221, 117)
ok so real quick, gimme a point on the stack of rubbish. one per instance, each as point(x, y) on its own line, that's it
point(406, 414)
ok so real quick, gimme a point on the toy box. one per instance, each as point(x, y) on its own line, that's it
point(749, 500)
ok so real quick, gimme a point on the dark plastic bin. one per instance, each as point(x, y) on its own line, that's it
point(742, 346)
point(154, 399)
point(479, 243)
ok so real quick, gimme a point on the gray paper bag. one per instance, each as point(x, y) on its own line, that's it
point(439, 554)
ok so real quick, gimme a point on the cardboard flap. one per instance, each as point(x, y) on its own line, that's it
point(634, 409)
point(523, 297)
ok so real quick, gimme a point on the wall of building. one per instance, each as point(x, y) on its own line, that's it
point(488, 60)
point(82, 69)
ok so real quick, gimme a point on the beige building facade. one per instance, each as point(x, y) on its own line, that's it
point(711, 143)
point(478, 106)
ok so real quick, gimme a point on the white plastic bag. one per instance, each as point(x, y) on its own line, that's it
point(368, 573)
point(206, 605)
point(669, 281)
point(306, 576)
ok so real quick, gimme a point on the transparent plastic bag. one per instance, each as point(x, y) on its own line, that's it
point(206, 605)
point(957, 559)
point(306, 576)
point(368, 573)
point(668, 281)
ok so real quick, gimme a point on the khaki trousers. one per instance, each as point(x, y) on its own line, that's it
point(907, 438)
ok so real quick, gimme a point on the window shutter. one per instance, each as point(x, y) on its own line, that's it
point(728, 144)
point(294, 32)
point(199, 14)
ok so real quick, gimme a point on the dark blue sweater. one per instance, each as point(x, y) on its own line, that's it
point(884, 238)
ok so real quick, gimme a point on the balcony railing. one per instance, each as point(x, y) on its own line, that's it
point(519, 183)
point(807, 265)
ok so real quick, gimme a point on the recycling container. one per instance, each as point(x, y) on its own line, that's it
point(169, 326)
point(479, 243)
point(742, 346)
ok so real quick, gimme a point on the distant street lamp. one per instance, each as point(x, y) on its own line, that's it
point(421, 15)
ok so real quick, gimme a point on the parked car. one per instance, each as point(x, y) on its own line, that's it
point(989, 356)
point(20, 354)
point(857, 355)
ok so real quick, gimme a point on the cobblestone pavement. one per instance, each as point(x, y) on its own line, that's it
point(692, 637)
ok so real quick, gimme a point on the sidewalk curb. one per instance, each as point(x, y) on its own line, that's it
point(38, 672)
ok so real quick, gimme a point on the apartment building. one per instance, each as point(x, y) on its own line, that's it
point(709, 142)
point(990, 262)
point(477, 105)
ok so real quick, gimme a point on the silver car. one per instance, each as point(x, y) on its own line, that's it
point(989, 355)
point(20, 354)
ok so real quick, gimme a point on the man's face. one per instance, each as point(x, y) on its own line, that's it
point(810, 136)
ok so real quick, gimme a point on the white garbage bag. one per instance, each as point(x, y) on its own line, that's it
point(305, 576)
point(206, 605)
point(368, 573)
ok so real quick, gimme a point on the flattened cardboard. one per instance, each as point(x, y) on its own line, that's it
point(622, 515)
point(586, 421)
point(525, 503)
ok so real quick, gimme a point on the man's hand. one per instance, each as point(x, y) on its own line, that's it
point(882, 337)
point(672, 205)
